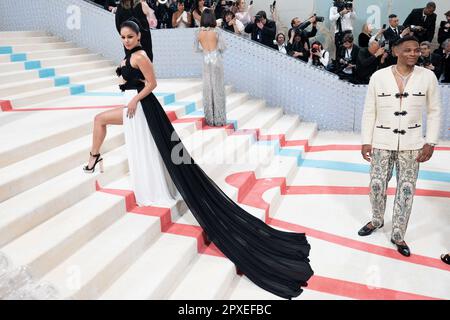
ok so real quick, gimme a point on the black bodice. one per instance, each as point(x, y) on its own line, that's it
point(131, 75)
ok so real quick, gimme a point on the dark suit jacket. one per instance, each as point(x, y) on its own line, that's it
point(416, 18)
point(299, 47)
point(341, 54)
point(435, 60)
point(390, 35)
point(443, 33)
point(268, 32)
point(446, 69)
point(366, 65)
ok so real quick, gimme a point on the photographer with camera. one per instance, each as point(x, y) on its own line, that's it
point(319, 57)
point(342, 17)
point(370, 60)
point(422, 22)
point(429, 60)
point(296, 47)
point(262, 30)
point(300, 26)
point(347, 56)
point(230, 23)
point(444, 29)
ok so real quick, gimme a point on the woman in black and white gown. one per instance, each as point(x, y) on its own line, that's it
point(276, 261)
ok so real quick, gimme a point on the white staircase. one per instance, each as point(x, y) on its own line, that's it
point(83, 241)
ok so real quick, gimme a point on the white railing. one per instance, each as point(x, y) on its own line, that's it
point(314, 94)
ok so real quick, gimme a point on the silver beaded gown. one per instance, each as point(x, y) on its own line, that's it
point(214, 100)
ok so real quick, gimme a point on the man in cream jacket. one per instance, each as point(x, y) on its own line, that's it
point(392, 135)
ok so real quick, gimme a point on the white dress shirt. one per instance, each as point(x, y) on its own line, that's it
point(346, 20)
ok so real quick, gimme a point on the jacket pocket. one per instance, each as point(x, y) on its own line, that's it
point(415, 126)
point(419, 94)
point(382, 127)
point(383, 95)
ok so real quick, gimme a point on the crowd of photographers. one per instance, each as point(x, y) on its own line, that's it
point(353, 62)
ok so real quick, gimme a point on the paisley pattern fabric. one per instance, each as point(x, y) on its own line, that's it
point(407, 170)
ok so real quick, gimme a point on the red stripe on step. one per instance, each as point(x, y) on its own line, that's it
point(167, 226)
point(5, 105)
point(297, 143)
point(359, 245)
point(66, 108)
point(316, 283)
point(334, 147)
point(253, 197)
point(360, 291)
point(296, 190)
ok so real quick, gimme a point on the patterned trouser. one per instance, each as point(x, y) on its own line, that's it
point(407, 169)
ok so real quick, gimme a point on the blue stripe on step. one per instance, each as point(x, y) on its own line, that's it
point(76, 88)
point(61, 81)
point(197, 113)
point(18, 57)
point(434, 176)
point(47, 73)
point(234, 123)
point(6, 50)
point(167, 97)
point(362, 168)
point(190, 108)
point(30, 65)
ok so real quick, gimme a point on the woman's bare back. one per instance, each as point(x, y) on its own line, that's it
point(208, 40)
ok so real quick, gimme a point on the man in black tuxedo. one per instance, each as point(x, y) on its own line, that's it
point(394, 31)
point(262, 29)
point(424, 22)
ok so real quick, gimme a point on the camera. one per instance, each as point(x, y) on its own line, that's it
point(343, 4)
point(258, 18)
point(315, 48)
point(223, 3)
point(417, 29)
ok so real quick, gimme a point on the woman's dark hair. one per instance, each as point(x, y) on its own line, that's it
point(318, 43)
point(133, 25)
point(196, 8)
point(208, 19)
point(228, 13)
point(127, 4)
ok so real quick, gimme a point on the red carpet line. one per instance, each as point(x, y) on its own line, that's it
point(63, 108)
point(251, 190)
point(317, 283)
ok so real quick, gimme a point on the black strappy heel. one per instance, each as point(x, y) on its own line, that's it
point(97, 160)
point(446, 258)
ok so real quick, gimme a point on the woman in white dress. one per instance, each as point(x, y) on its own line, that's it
point(150, 181)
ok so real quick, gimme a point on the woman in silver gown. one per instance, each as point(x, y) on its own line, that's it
point(210, 41)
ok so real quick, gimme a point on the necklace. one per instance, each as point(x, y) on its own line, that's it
point(402, 77)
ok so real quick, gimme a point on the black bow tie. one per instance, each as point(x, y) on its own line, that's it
point(399, 95)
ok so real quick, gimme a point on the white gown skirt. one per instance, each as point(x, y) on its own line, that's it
point(150, 179)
